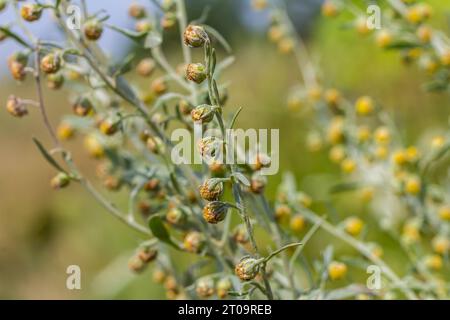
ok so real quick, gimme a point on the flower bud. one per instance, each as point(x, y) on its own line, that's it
point(143, 26)
point(215, 211)
point(146, 67)
point(185, 107)
point(258, 183)
point(31, 12)
point(82, 107)
point(51, 63)
point(55, 81)
point(60, 181)
point(147, 255)
point(159, 276)
point(15, 107)
point(259, 4)
point(240, 234)
point(444, 212)
point(354, 226)
point(168, 20)
point(195, 36)
point(337, 270)
point(112, 183)
point(155, 145)
point(204, 287)
point(159, 86)
point(210, 147)
point(175, 216)
point(203, 113)
point(136, 265)
point(261, 160)
point(297, 223)
point(196, 72)
point(65, 131)
point(109, 126)
point(194, 242)
point(330, 9)
point(17, 64)
point(247, 268)
point(94, 146)
point(211, 189)
point(93, 29)
point(223, 286)
point(433, 262)
point(137, 11)
point(364, 106)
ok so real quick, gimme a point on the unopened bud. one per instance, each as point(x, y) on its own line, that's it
point(82, 107)
point(55, 81)
point(175, 216)
point(195, 36)
point(31, 12)
point(93, 29)
point(15, 107)
point(51, 63)
point(215, 212)
point(196, 72)
point(137, 11)
point(60, 181)
point(194, 242)
point(146, 67)
point(211, 189)
point(204, 287)
point(203, 113)
point(247, 268)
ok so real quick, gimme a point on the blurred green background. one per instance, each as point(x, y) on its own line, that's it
point(42, 231)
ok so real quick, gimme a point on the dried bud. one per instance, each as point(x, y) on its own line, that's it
point(175, 216)
point(31, 12)
point(137, 11)
point(51, 63)
point(247, 268)
point(214, 212)
point(82, 107)
point(204, 287)
point(146, 67)
point(93, 29)
point(211, 189)
point(196, 72)
point(15, 107)
point(194, 242)
point(55, 81)
point(195, 36)
point(203, 113)
point(60, 181)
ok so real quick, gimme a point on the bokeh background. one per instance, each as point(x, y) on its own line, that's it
point(42, 231)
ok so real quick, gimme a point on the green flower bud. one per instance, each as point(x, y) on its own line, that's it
point(60, 181)
point(55, 81)
point(15, 107)
point(215, 212)
point(196, 72)
point(155, 145)
point(223, 286)
point(31, 12)
point(17, 64)
point(137, 11)
point(210, 147)
point(203, 113)
point(175, 216)
point(51, 63)
point(247, 268)
point(211, 189)
point(195, 36)
point(93, 29)
point(82, 107)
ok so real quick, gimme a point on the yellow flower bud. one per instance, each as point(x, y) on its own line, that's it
point(354, 226)
point(337, 270)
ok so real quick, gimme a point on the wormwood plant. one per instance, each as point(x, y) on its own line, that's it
point(180, 207)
